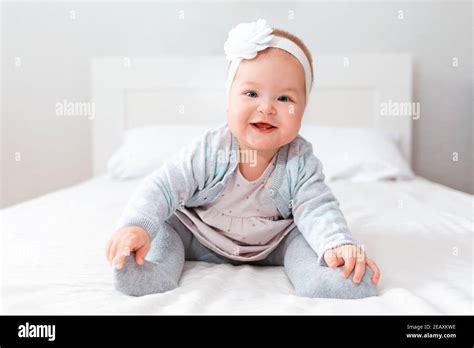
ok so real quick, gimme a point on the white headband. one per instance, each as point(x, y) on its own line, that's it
point(247, 39)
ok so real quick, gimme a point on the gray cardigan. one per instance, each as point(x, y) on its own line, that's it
point(200, 171)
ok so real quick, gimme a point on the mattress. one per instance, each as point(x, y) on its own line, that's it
point(419, 233)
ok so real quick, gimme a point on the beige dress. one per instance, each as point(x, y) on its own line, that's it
point(243, 223)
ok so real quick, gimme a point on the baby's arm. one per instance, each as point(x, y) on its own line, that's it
point(160, 193)
point(315, 209)
point(154, 200)
point(318, 217)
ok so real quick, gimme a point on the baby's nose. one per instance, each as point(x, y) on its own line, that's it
point(266, 108)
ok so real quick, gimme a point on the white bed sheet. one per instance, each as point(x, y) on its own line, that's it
point(420, 234)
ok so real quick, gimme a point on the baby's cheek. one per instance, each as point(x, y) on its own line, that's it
point(233, 117)
point(291, 127)
point(290, 109)
point(241, 122)
point(295, 110)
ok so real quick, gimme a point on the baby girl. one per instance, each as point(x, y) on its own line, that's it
point(211, 204)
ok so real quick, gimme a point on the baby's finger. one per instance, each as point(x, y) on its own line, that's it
point(339, 260)
point(112, 249)
point(373, 267)
point(330, 258)
point(140, 254)
point(124, 249)
point(107, 249)
point(359, 271)
point(122, 254)
point(349, 263)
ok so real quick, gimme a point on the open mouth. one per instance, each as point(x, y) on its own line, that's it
point(262, 126)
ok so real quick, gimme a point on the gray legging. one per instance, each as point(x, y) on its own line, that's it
point(174, 244)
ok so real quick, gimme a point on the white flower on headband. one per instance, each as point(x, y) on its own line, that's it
point(247, 39)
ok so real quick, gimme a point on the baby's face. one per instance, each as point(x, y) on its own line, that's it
point(269, 88)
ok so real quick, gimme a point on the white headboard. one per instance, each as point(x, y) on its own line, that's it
point(130, 92)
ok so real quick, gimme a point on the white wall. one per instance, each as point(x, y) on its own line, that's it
point(55, 53)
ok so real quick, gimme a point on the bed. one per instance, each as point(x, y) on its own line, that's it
point(419, 232)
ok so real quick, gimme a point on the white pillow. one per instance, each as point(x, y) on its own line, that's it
point(144, 149)
point(357, 154)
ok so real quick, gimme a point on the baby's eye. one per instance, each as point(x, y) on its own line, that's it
point(251, 94)
point(284, 98)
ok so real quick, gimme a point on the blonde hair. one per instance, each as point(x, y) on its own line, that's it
point(299, 43)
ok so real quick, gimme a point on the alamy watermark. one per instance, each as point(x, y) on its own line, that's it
point(33, 331)
point(68, 108)
point(246, 156)
point(393, 108)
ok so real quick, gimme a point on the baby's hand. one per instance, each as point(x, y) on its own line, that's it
point(126, 240)
point(351, 256)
